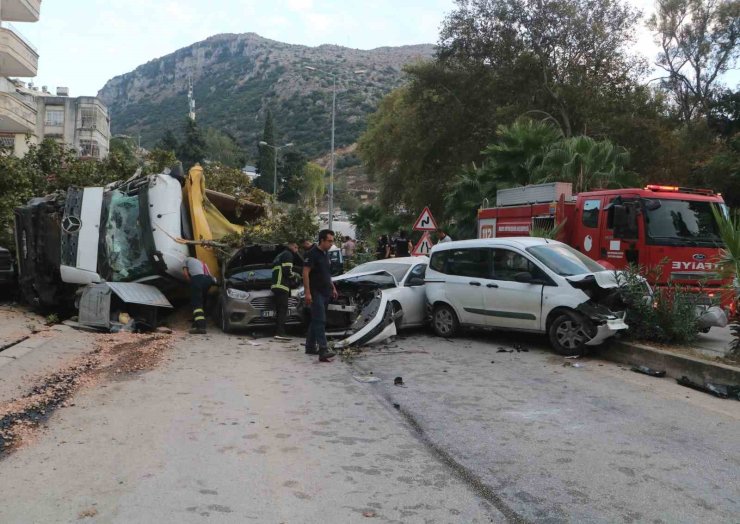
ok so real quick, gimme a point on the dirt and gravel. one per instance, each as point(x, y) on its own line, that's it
point(113, 356)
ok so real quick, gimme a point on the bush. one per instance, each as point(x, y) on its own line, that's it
point(670, 317)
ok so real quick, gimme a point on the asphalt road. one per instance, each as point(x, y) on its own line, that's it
point(228, 431)
point(593, 443)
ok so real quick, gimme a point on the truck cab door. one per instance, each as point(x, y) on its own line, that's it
point(588, 237)
point(620, 232)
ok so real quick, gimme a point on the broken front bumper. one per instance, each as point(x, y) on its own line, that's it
point(606, 330)
point(711, 316)
point(375, 323)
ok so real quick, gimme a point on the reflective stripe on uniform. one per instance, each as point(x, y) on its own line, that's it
point(199, 314)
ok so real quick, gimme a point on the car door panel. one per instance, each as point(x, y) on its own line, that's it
point(467, 270)
point(413, 298)
point(510, 304)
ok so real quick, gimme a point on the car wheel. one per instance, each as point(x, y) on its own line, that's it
point(445, 322)
point(397, 314)
point(568, 335)
point(224, 320)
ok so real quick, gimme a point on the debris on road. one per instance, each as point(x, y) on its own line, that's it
point(718, 390)
point(113, 355)
point(368, 379)
point(648, 371)
point(398, 381)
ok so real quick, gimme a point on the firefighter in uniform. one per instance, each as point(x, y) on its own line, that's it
point(199, 277)
point(282, 278)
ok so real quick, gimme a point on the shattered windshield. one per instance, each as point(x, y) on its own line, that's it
point(564, 260)
point(125, 241)
point(681, 220)
point(397, 270)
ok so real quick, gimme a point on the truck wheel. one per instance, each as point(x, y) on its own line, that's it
point(568, 336)
point(445, 322)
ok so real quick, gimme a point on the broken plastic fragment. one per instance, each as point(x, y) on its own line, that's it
point(648, 371)
point(718, 390)
point(366, 379)
point(398, 381)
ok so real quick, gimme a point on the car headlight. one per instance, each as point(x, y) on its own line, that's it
point(237, 294)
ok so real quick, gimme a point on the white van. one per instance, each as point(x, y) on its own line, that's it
point(523, 284)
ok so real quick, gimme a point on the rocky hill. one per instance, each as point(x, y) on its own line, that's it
point(238, 77)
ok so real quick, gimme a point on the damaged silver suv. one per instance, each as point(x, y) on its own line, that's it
point(524, 284)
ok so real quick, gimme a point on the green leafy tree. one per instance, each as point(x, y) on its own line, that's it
point(222, 148)
point(578, 50)
point(193, 147)
point(290, 174)
point(313, 186)
point(169, 142)
point(266, 162)
point(699, 42)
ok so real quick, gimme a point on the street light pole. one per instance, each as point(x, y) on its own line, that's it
point(275, 149)
point(333, 128)
point(331, 167)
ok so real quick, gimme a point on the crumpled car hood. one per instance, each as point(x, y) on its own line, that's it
point(602, 279)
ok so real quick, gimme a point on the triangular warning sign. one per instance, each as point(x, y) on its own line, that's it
point(424, 246)
point(425, 222)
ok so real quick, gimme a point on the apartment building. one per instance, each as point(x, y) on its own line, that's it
point(29, 114)
point(18, 58)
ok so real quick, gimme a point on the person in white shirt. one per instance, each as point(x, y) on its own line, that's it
point(442, 236)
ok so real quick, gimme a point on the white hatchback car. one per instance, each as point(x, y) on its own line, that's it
point(524, 284)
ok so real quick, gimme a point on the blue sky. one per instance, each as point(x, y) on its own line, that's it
point(83, 43)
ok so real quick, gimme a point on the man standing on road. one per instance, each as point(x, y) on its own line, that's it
point(319, 289)
point(403, 245)
point(282, 274)
point(200, 280)
point(442, 236)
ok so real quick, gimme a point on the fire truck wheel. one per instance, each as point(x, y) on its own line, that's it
point(444, 321)
point(568, 336)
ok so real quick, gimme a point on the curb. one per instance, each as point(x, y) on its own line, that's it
point(675, 365)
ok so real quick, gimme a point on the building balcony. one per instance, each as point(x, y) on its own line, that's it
point(20, 10)
point(15, 115)
point(17, 56)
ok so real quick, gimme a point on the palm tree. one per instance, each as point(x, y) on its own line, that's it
point(365, 219)
point(518, 151)
point(586, 163)
point(729, 258)
point(469, 189)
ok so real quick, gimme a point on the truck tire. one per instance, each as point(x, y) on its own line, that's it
point(568, 335)
point(445, 322)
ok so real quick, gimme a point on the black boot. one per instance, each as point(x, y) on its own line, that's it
point(325, 355)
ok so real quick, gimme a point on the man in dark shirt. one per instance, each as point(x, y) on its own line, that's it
point(403, 245)
point(319, 289)
point(282, 278)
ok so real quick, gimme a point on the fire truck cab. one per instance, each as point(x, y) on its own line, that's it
point(669, 230)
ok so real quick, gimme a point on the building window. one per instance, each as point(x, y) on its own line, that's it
point(54, 117)
point(87, 117)
point(89, 148)
point(7, 143)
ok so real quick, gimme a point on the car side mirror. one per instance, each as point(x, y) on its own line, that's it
point(414, 282)
point(525, 277)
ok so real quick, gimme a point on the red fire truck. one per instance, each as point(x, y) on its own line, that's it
point(666, 227)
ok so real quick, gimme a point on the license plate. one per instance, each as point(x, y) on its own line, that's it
point(267, 314)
